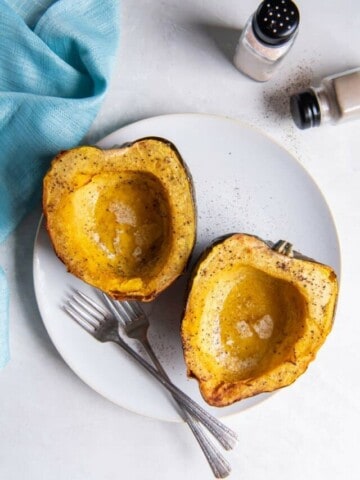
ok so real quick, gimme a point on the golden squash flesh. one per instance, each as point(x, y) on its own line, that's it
point(122, 220)
point(255, 318)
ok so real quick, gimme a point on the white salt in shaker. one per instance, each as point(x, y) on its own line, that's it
point(335, 100)
point(266, 39)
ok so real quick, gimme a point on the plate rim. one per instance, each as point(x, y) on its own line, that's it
point(260, 132)
point(105, 139)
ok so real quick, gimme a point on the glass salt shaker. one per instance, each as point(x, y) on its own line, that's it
point(266, 39)
point(335, 100)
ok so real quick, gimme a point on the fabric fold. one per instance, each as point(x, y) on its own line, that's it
point(55, 64)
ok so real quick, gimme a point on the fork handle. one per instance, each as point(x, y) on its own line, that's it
point(221, 432)
point(218, 464)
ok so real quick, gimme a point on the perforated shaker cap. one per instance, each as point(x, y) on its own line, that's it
point(276, 21)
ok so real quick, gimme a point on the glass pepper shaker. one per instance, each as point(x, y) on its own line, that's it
point(335, 100)
point(266, 39)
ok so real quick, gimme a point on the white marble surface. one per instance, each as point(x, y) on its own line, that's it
point(175, 57)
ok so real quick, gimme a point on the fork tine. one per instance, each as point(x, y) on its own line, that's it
point(114, 307)
point(86, 310)
point(134, 307)
point(79, 319)
point(122, 313)
point(98, 308)
point(83, 310)
point(127, 310)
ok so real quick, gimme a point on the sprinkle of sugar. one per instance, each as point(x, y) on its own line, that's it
point(123, 213)
point(244, 329)
point(264, 327)
point(96, 238)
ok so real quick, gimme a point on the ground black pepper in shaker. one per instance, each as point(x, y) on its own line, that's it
point(335, 100)
point(266, 39)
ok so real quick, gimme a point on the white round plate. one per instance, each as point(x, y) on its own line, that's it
point(244, 182)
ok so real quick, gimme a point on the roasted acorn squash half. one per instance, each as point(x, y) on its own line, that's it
point(255, 317)
point(122, 220)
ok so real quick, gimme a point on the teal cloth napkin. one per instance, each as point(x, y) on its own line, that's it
point(55, 63)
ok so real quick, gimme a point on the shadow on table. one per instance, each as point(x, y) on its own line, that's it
point(223, 38)
point(24, 245)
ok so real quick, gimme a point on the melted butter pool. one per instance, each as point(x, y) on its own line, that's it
point(124, 218)
point(255, 318)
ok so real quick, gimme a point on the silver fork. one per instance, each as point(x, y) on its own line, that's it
point(104, 327)
point(136, 324)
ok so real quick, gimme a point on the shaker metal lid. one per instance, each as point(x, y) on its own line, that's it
point(276, 21)
point(305, 109)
